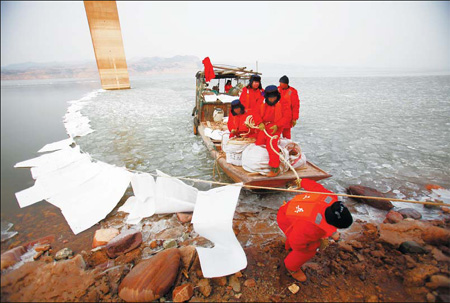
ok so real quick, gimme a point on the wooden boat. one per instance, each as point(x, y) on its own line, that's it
point(203, 117)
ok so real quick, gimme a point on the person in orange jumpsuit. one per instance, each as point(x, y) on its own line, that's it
point(271, 117)
point(291, 95)
point(228, 86)
point(252, 95)
point(308, 218)
point(236, 120)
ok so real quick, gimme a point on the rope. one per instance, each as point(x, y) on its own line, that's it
point(251, 124)
point(290, 190)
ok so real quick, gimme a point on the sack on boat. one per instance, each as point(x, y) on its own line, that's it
point(255, 159)
point(296, 158)
point(233, 149)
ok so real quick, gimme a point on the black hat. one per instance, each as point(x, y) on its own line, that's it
point(272, 91)
point(235, 104)
point(284, 79)
point(255, 78)
point(338, 215)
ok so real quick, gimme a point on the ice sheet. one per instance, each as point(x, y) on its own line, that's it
point(142, 204)
point(213, 219)
point(56, 145)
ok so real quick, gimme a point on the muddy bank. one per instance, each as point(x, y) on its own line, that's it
point(370, 263)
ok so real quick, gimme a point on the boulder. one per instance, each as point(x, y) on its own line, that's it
point(367, 191)
point(205, 287)
point(411, 247)
point(393, 217)
point(12, 256)
point(152, 278)
point(183, 293)
point(436, 236)
point(221, 281)
point(64, 253)
point(103, 236)
point(184, 217)
point(416, 277)
point(123, 243)
point(410, 213)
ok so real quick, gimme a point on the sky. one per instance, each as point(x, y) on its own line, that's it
point(385, 35)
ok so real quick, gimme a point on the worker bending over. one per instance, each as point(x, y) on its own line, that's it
point(308, 218)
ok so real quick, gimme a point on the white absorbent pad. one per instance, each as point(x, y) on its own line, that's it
point(84, 191)
point(213, 219)
point(142, 204)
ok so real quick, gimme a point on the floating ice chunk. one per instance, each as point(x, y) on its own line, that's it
point(213, 219)
point(56, 145)
point(6, 234)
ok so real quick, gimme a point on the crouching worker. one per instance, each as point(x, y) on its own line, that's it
point(305, 220)
point(271, 117)
point(236, 120)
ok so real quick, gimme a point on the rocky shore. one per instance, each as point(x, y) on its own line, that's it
point(403, 259)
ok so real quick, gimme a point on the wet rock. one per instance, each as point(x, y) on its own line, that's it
point(152, 278)
point(123, 243)
point(250, 283)
point(410, 213)
point(276, 298)
point(345, 246)
point(40, 282)
point(411, 247)
point(64, 253)
point(377, 253)
point(355, 244)
point(170, 244)
point(294, 288)
point(12, 256)
point(436, 236)
point(438, 281)
point(314, 266)
point(129, 257)
point(370, 231)
point(41, 241)
point(439, 255)
point(204, 287)
point(183, 293)
point(42, 247)
point(220, 281)
point(396, 234)
point(188, 254)
point(431, 298)
point(97, 257)
point(393, 217)
point(233, 281)
point(103, 236)
point(184, 217)
point(367, 191)
point(416, 277)
point(443, 297)
point(153, 244)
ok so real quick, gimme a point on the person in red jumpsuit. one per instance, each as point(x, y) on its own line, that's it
point(291, 95)
point(236, 120)
point(308, 218)
point(271, 117)
point(228, 86)
point(252, 95)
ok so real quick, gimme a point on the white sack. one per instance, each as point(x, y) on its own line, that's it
point(214, 134)
point(213, 219)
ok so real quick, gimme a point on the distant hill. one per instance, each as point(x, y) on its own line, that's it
point(88, 69)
